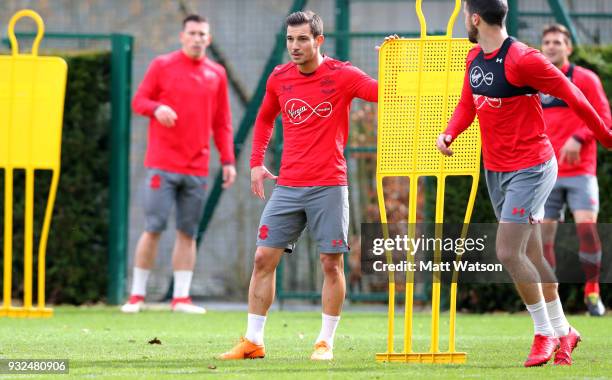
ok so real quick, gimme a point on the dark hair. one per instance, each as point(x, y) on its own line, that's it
point(306, 17)
point(493, 12)
point(558, 28)
point(195, 18)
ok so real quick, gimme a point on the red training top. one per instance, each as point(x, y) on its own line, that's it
point(513, 127)
point(562, 123)
point(197, 91)
point(315, 112)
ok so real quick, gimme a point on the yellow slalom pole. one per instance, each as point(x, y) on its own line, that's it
point(409, 298)
point(389, 258)
point(435, 291)
point(453, 295)
point(42, 248)
point(28, 240)
point(8, 238)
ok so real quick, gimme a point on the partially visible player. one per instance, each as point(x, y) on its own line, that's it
point(501, 86)
point(313, 93)
point(576, 152)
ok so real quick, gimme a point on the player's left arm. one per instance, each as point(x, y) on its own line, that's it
point(223, 133)
point(534, 70)
point(361, 85)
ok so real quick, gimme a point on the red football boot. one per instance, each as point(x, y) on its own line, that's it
point(566, 346)
point(542, 350)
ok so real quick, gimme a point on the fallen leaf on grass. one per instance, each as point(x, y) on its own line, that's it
point(155, 341)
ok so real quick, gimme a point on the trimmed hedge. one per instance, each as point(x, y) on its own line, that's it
point(78, 239)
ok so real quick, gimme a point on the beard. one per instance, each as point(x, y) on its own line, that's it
point(473, 34)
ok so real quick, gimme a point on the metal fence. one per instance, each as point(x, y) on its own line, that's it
point(246, 34)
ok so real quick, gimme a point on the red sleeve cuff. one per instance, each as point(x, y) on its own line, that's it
point(153, 108)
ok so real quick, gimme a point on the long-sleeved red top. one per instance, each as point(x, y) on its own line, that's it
point(562, 123)
point(315, 113)
point(513, 128)
point(197, 91)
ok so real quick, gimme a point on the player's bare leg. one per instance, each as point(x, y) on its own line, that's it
point(332, 298)
point(549, 232)
point(590, 259)
point(263, 280)
point(183, 262)
point(536, 256)
point(512, 239)
point(184, 252)
point(512, 245)
point(144, 261)
point(146, 250)
point(261, 296)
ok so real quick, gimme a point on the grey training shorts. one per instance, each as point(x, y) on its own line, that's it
point(519, 196)
point(324, 209)
point(578, 192)
point(164, 189)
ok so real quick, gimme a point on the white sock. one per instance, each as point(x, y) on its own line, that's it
point(139, 281)
point(182, 283)
point(557, 318)
point(255, 328)
point(329, 323)
point(541, 322)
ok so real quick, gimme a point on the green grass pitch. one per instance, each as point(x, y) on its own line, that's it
point(100, 342)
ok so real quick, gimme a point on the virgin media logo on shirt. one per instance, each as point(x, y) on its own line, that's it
point(299, 111)
point(481, 101)
point(478, 77)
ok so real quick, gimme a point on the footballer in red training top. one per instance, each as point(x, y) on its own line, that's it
point(313, 93)
point(502, 81)
point(576, 151)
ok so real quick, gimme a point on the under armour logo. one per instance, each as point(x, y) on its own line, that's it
point(481, 100)
point(518, 211)
point(478, 77)
point(337, 243)
point(499, 60)
point(299, 111)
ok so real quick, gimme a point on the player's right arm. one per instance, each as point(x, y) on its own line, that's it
point(462, 118)
point(146, 101)
point(593, 90)
point(264, 125)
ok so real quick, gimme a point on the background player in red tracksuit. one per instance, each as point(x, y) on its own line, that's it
point(576, 152)
point(501, 86)
point(314, 93)
point(185, 96)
